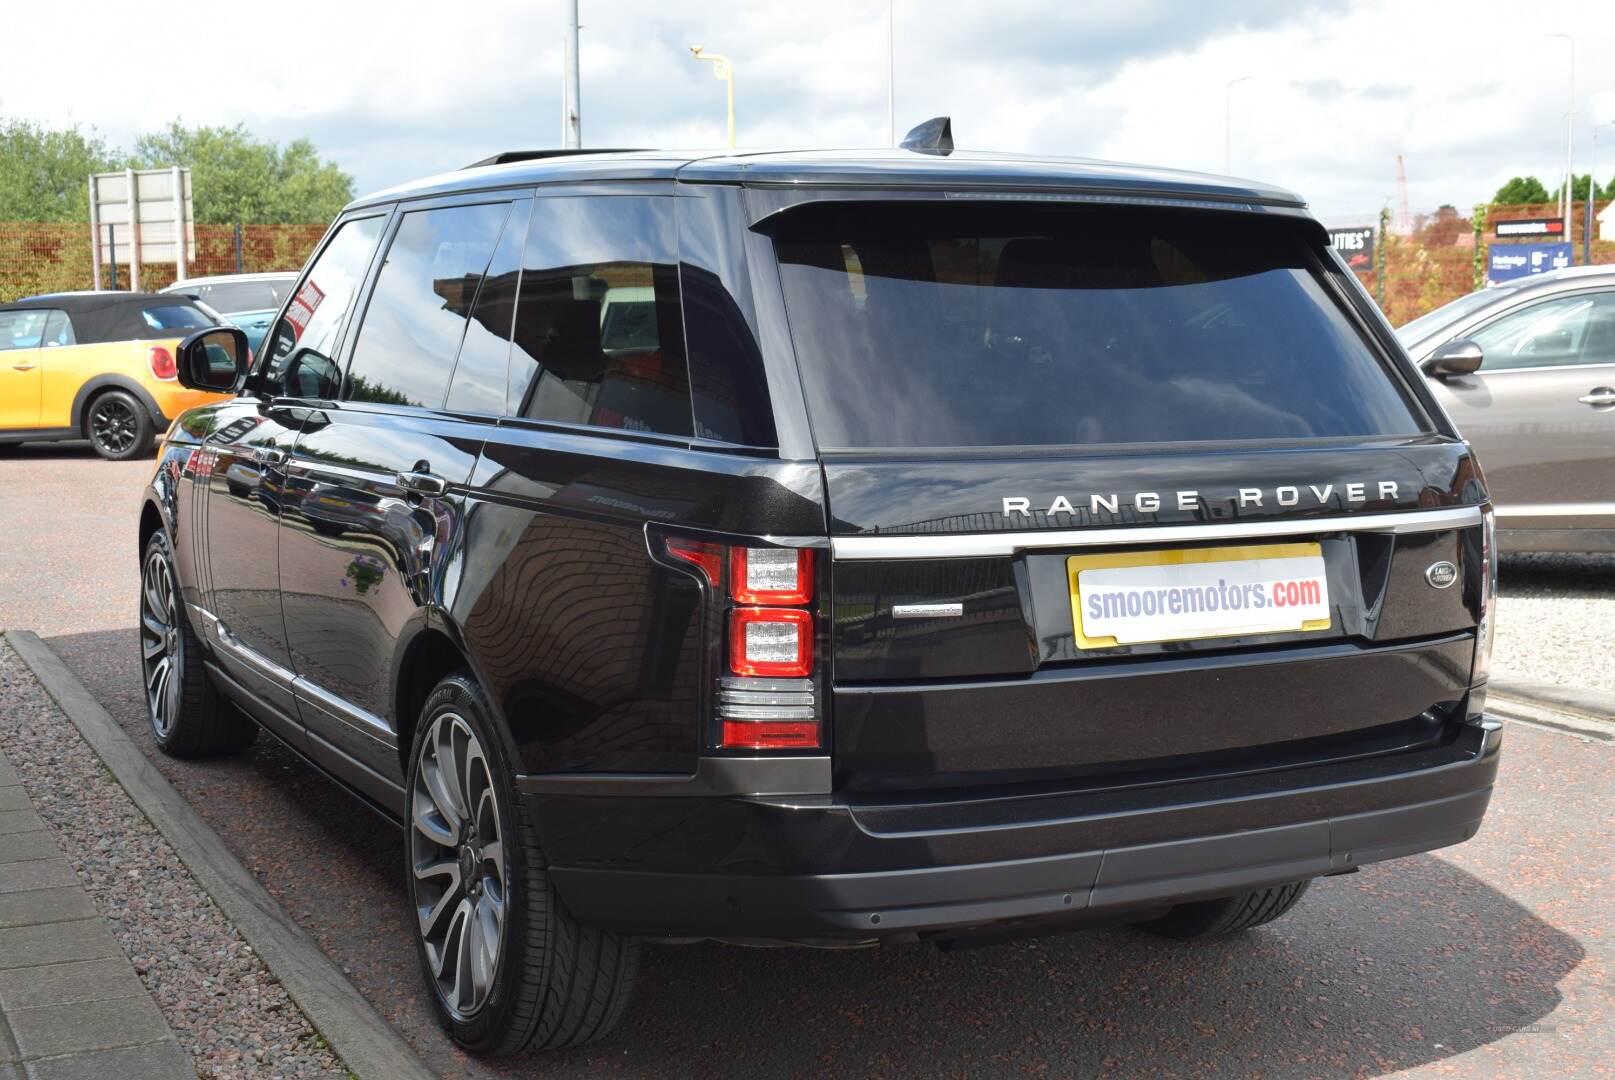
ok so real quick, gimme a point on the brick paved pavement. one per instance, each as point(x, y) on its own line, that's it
point(70, 1003)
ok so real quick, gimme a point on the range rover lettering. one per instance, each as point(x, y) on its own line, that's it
point(831, 549)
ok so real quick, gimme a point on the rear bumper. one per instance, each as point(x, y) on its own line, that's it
point(812, 869)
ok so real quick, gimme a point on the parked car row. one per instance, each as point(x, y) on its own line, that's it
point(100, 365)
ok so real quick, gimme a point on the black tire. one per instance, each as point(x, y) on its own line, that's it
point(555, 982)
point(118, 425)
point(187, 714)
point(1228, 915)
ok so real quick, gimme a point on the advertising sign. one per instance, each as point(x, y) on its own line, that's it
point(1510, 261)
point(142, 216)
point(1356, 246)
point(1536, 226)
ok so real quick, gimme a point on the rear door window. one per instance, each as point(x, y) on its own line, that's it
point(599, 338)
point(950, 325)
point(417, 312)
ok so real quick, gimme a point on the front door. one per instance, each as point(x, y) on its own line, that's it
point(249, 485)
point(381, 474)
point(21, 333)
point(1540, 412)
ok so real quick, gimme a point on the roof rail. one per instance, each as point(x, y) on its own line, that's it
point(533, 155)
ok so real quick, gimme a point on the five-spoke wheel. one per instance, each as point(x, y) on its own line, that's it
point(458, 856)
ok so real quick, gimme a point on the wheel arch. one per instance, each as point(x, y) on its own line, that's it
point(94, 388)
point(151, 521)
point(433, 650)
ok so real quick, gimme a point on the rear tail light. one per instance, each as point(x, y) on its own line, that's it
point(771, 575)
point(776, 643)
point(764, 697)
point(162, 363)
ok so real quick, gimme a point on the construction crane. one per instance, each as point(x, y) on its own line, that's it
point(1404, 217)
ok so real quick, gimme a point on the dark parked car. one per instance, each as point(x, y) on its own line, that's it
point(1527, 372)
point(828, 549)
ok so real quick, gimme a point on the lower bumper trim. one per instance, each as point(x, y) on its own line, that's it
point(870, 905)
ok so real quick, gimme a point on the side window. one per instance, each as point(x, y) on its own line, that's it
point(59, 330)
point(299, 356)
point(1576, 329)
point(417, 313)
point(598, 335)
point(22, 329)
point(480, 372)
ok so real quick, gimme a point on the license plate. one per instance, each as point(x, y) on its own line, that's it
point(1139, 597)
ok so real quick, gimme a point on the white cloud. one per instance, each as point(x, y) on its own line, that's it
point(396, 90)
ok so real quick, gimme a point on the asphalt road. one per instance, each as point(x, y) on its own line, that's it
point(1495, 958)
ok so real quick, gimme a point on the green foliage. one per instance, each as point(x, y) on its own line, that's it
point(236, 177)
point(1522, 189)
point(1578, 189)
point(44, 174)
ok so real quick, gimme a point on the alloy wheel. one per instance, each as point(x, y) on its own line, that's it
point(161, 646)
point(113, 425)
point(457, 855)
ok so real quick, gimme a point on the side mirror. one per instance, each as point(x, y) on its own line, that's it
point(1460, 357)
point(214, 359)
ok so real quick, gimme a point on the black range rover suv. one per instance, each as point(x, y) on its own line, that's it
point(827, 548)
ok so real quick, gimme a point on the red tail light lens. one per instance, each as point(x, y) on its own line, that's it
point(771, 575)
point(770, 734)
point(162, 363)
point(707, 557)
point(772, 642)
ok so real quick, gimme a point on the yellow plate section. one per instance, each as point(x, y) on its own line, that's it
point(1173, 557)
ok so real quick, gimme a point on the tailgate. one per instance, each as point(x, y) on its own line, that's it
point(959, 660)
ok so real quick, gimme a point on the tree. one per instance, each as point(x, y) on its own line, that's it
point(1522, 189)
point(1578, 189)
point(44, 174)
point(235, 177)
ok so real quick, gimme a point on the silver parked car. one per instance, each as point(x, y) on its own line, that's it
point(1527, 372)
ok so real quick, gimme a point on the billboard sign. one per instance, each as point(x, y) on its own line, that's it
point(1537, 226)
point(1356, 246)
point(142, 216)
point(1506, 262)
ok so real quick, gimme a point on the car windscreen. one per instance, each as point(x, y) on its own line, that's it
point(1446, 314)
point(947, 324)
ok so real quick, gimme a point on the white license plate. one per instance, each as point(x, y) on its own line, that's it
point(1137, 597)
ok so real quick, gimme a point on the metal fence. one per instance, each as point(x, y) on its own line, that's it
point(38, 257)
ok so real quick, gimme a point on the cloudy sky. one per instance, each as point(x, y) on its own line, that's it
point(1469, 92)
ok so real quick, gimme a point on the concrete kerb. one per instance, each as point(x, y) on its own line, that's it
point(367, 1044)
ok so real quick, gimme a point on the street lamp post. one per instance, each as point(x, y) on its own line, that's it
point(1567, 203)
point(1592, 194)
point(722, 69)
point(1228, 124)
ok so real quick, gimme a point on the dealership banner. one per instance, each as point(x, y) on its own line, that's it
point(1538, 226)
point(1356, 246)
point(1510, 261)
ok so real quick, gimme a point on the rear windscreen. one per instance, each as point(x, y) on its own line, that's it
point(952, 325)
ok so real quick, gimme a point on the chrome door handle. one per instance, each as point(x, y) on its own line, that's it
point(422, 483)
point(1598, 396)
point(269, 455)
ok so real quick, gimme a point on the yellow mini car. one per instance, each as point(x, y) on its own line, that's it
point(97, 366)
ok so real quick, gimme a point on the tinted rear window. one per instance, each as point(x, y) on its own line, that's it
point(175, 316)
point(951, 325)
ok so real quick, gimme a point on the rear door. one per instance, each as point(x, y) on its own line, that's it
point(1540, 412)
point(380, 471)
point(1118, 491)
